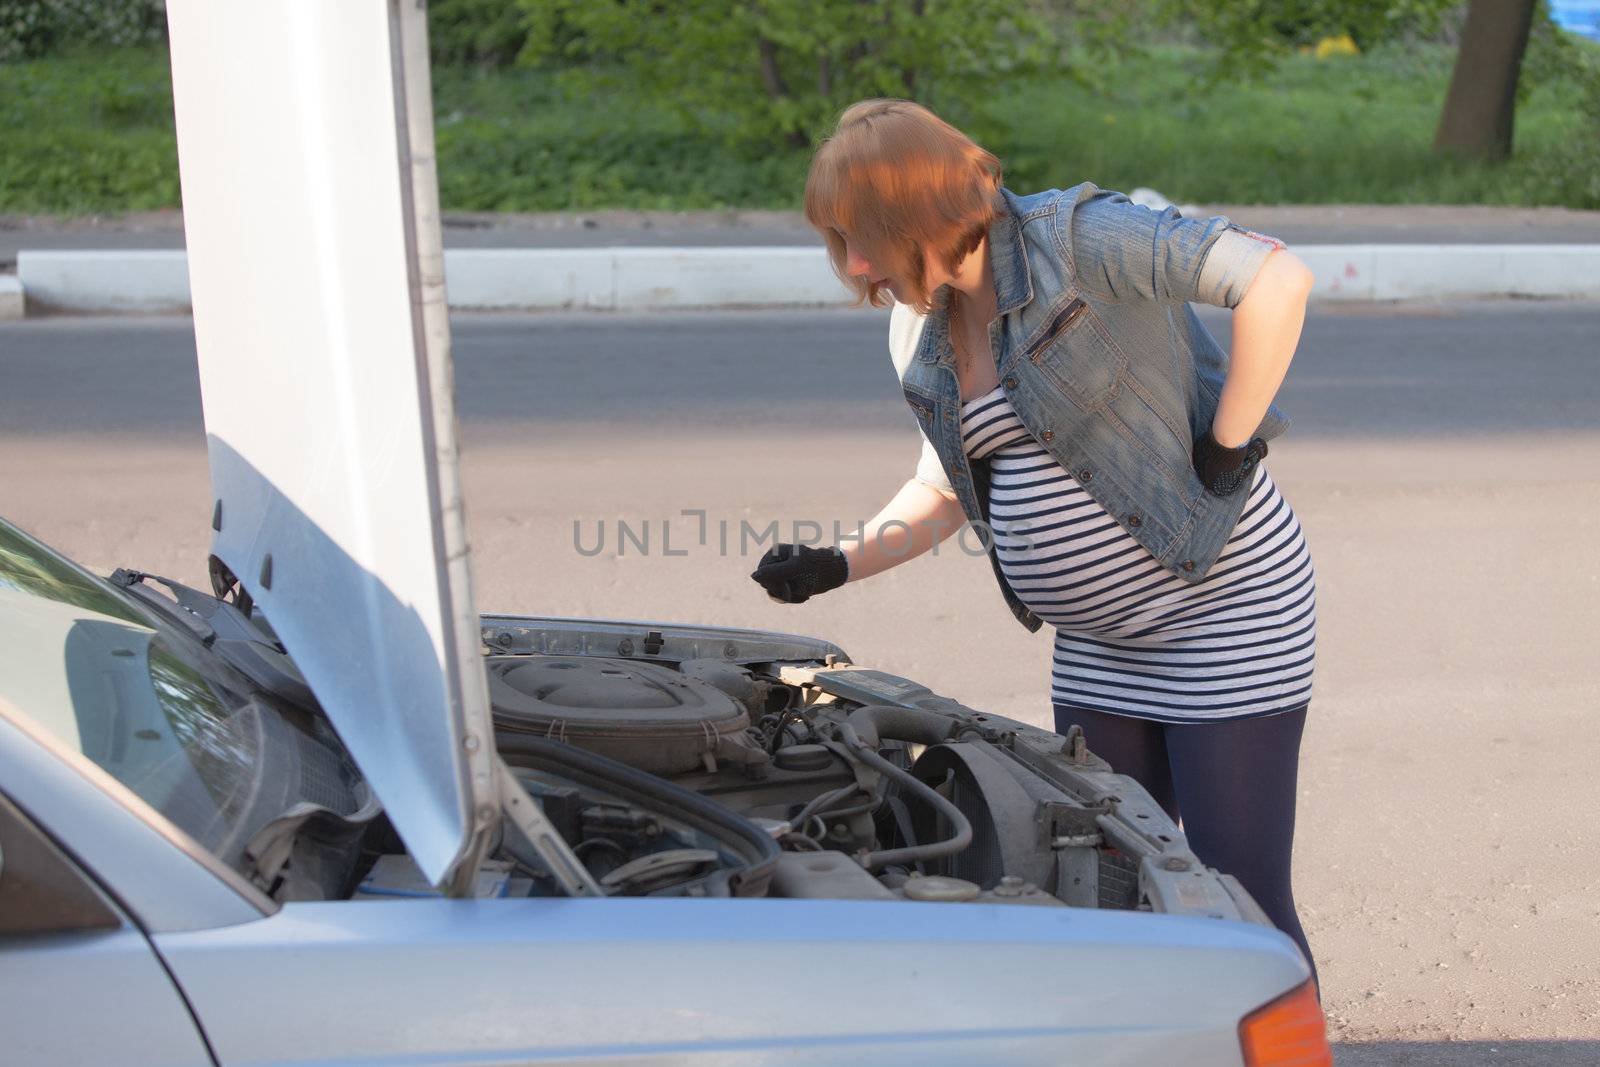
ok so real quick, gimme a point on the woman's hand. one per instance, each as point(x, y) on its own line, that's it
point(1224, 470)
point(793, 574)
point(918, 518)
point(1266, 329)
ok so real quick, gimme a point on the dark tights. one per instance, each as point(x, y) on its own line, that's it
point(1233, 784)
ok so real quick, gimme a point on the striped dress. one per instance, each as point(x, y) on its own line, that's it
point(1131, 637)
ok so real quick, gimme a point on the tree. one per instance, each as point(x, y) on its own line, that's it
point(1482, 102)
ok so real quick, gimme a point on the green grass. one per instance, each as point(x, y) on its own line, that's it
point(509, 140)
point(93, 134)
point(1339, 130)
point(86, 134)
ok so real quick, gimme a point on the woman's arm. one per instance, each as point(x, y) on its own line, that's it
point(929, 516)
point(1266, 329)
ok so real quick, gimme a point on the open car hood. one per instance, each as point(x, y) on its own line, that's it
point(311, 214)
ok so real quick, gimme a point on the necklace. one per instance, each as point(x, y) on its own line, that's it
point(962, 356)
point(956, 336)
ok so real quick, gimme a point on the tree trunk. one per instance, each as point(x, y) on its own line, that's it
point(777, 88)
point(1478, 112)
point(771, 76)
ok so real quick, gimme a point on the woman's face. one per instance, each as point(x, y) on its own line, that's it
point(858, 265)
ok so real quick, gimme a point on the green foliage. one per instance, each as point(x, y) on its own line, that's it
point(513, 141)
point(487, 32)
point(1571, 168)
point(779, 71)
point(88, 133)
point(1350, 130)
point(1253, 35)
point(31, 28)
point(1553, 54)
point(93, 133)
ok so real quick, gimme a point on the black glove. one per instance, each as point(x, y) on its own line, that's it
point(795, 573)
point(1224, 470)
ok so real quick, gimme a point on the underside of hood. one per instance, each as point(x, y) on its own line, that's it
point(311, 216)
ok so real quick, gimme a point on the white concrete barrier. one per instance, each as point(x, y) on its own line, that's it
point(624, 278)
point(11, 305)
point(522, 278)
point(725, 277)
point(144, 281)
point(619, 279)
point(1442, 272)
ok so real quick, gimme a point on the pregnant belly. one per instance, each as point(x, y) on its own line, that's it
point(1075, 566)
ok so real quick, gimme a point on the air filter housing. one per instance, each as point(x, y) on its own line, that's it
point(646, 715)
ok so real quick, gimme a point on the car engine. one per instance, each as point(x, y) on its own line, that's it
point(697, 760)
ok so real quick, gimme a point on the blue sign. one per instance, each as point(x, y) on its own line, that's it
point(1582, 17)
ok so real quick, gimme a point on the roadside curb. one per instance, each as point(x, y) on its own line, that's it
point(1411, 272)
point(140, 280)
point(11, 303)
point(626, 279)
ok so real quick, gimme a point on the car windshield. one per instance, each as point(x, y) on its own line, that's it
point(134, 693)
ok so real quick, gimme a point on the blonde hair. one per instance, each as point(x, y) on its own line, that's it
point(894, 177)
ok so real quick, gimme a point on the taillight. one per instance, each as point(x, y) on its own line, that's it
point(1288, 1032)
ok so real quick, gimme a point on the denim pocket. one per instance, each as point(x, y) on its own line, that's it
point(1075, 354)
point(921, 406)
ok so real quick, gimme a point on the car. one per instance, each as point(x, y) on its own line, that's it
point(325, 812)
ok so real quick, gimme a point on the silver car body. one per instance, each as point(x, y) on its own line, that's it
point(638, 981)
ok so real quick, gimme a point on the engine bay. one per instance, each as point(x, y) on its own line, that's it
point(714, 762)
point(696, 761)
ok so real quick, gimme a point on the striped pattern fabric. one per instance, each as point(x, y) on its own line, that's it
point(1131, 637)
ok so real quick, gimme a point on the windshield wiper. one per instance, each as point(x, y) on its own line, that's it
point(234, 637)
point(175, 610)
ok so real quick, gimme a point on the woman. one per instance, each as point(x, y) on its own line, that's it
point(1074, 407)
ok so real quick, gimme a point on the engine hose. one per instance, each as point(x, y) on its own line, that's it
point(819, 803)
point(911, 853)
point(732, 831)
point(875, 722)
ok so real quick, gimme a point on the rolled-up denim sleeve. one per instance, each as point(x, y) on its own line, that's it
point(929, 470)
point(1124, 251)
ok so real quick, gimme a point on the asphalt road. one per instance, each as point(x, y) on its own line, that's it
point(1444, 461)
point(1395, 372)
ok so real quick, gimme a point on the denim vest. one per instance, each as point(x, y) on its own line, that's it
point(1103, 360)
